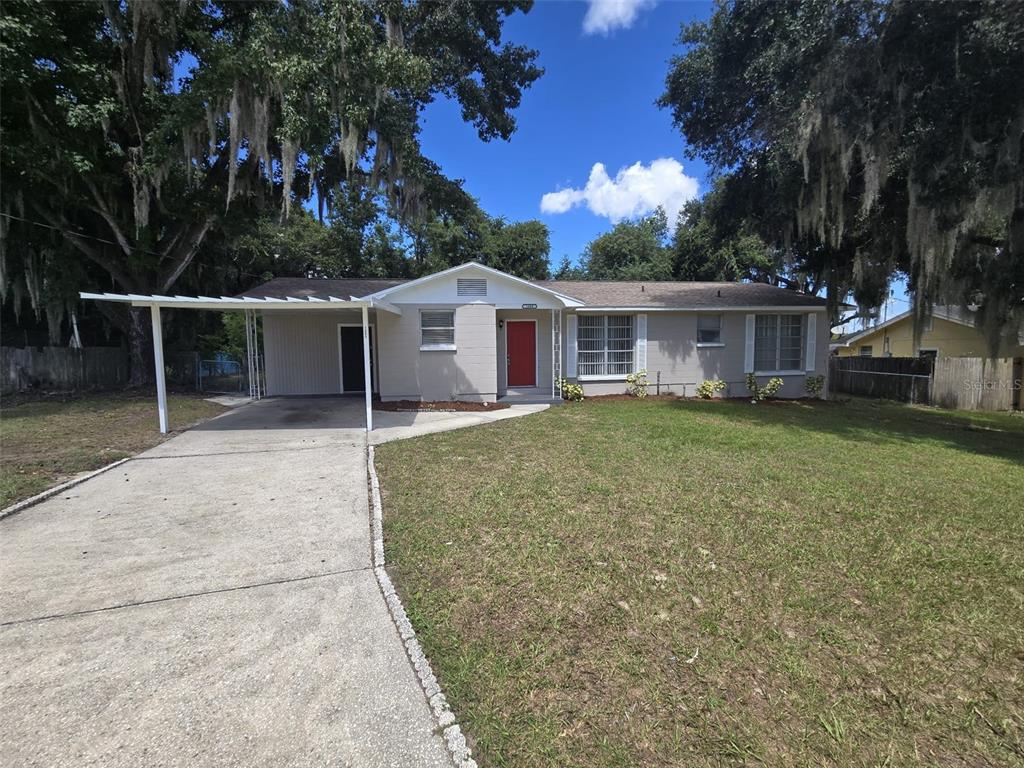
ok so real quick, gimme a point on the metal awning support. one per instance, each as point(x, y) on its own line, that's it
point(367, 378)
point(252, 353)
point(158, 363)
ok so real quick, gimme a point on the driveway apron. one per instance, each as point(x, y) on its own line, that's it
point(210, 602)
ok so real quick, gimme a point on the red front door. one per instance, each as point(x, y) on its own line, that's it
point(522, 353)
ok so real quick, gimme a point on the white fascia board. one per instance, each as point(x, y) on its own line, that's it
point(223, 302)
point(385, 305)
point(567, 301)
point(702, 309)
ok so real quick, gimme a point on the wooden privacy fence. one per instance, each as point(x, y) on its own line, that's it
point(907, 379)
point(64, 368)
point(977, 383)
point(965, 383)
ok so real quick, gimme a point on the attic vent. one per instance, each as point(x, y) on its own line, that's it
point(472, 286)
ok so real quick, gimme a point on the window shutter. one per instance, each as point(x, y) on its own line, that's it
point(641, 343)
point(748, 353)
point(812, 340)
point(570, 347)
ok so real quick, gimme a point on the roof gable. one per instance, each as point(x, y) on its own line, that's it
point(502, 289)
point(949, 314)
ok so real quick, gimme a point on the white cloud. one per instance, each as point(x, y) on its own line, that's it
point(635, 191)
point(604, 16)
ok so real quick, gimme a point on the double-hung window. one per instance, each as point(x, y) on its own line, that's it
point(604, 345)
point(437, 329)
point(709, 329)
point(778, 342)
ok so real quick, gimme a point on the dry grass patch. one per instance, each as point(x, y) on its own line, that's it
point(696, 584)
point(45, 442)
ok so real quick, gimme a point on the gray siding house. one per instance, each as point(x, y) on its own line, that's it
point(474, 333)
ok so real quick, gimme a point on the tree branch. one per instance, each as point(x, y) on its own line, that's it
point(87, 248)
point(108, 217)
point(180, 262)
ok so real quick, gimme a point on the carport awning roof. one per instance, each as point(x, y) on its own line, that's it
point(244, 302)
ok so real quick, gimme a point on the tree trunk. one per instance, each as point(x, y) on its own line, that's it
point(140, 348)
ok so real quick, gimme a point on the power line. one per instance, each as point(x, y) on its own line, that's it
point(69, 233)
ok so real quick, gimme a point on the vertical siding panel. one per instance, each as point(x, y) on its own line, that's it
point(301, 351)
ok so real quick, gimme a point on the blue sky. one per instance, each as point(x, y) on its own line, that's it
point(594, 104)
point(605, 64)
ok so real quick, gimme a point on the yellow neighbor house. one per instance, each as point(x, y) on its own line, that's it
point(949, 333)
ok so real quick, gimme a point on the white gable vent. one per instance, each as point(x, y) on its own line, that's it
point(472, 286)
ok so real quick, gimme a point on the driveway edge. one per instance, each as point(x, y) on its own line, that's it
point(33, 500)
point(454, 739)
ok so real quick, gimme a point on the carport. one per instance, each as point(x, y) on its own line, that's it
point(251, 307)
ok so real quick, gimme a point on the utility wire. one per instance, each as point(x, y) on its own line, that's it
point(69, 233)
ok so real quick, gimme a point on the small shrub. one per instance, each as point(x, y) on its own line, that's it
point(814, 385)
point(637, 384)
point(570, 391)
point(773, 385)
point(708, 387)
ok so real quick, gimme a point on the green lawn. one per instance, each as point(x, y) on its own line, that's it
point(686, 583)
point(45, 442)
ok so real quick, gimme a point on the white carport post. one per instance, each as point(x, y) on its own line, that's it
point(367, 380)
point(158, 362)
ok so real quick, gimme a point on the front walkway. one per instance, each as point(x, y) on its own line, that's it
point(211, 602)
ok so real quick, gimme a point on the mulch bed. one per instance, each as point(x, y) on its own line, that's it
point(436, 405)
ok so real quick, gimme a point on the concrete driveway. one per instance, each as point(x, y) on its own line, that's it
point(210, 602)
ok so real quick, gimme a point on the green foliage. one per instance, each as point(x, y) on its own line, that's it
point(106, 140)
point(875, 139)
point(707, 388)
point(814, 385)
point(568, 271)
point(769, 390)
point(633, 250)
point(636, 384)
point(570, 390)
point(517, 248)
point(466, 233)
point(718, 238)
point(229, 338)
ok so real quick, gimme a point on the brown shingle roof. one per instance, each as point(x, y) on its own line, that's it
point(595, 293)
point(303, 287)
point(613, 293)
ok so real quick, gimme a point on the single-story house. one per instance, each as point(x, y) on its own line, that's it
point(475, 333)
point(950, 332)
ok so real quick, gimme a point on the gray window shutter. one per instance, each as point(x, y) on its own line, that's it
point(748, 353)
point(570, 347)
point(641, 342)
point(812, 341)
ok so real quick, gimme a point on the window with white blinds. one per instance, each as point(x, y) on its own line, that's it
point(778, 342)
point(437, 328)
point(604, 345)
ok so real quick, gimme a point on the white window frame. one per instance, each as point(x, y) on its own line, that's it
point(710, 344)
point(605, 350)
point(777, 370)
point(437, 347)
point(870, 350)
